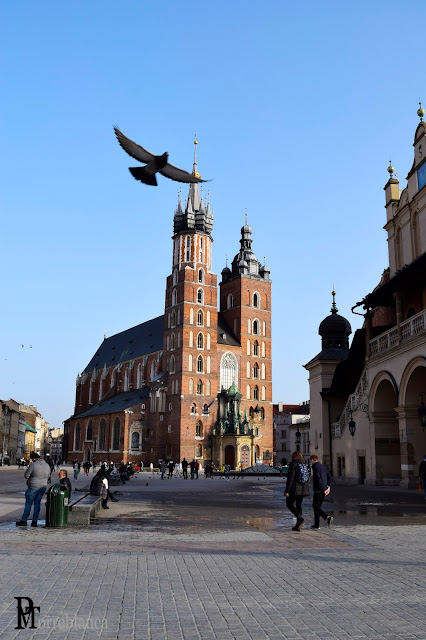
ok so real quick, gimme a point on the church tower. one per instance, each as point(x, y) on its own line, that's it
point(190, 332)
point(245, 305)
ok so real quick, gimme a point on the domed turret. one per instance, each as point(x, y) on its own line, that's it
point(335, 330)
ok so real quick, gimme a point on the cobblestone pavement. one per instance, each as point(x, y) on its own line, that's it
point(217, 560)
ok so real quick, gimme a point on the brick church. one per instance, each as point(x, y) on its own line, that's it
point(194, 382)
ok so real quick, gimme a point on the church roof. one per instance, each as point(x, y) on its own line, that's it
point(224, 333)
point(135, 342)
point(117, 403)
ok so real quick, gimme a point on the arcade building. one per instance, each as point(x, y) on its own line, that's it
point(195, 382)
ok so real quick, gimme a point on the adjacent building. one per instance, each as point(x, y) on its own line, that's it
point(291, 431)
point(367, 401)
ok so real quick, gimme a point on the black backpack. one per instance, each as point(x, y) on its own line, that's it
point(302, 473)
point(96, 486)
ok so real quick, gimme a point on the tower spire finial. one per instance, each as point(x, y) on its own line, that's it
point(391, 169)
point(194, 168)
point(420, 111)
point(246, 214)
point(334, 309)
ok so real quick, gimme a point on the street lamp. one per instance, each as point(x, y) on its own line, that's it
point(352, 426)
point(298, 439)
point(422, 411)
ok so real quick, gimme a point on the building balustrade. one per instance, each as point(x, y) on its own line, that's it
point(409, 328)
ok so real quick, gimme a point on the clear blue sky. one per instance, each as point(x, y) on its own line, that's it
point(297, 107)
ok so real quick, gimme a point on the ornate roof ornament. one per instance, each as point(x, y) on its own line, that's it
point(420, 112)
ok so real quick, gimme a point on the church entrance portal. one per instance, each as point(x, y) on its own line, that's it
point(245, 456)
point(230, 456)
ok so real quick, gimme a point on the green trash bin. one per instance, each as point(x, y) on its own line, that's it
point(57, 506)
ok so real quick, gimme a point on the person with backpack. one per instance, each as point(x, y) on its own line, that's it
point(321, 487)
point(297, 487)
point(99, 487)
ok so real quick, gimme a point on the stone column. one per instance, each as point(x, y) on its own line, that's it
point(407, 422)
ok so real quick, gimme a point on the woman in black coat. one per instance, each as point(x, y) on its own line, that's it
point(294, 491)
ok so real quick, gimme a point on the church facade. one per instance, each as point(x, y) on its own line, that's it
point(367, 401)
point(195, 382)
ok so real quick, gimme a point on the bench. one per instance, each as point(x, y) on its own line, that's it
point(81, 511)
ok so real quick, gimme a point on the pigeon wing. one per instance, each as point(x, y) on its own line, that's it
point(133, 149)
point(174, 173)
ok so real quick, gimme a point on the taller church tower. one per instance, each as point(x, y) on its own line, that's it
point(190, 332)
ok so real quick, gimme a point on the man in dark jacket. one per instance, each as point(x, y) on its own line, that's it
point(294, 490)
point(63, 479)
point(321, 486)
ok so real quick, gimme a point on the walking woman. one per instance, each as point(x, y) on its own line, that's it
point(297, 487)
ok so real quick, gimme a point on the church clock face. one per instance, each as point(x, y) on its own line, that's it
point(421, 176)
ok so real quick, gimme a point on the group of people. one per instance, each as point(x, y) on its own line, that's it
point(297, 488)
point(174, 467)
point(38, 475)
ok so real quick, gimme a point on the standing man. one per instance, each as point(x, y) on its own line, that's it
point(162, 468)
point(422, 474)
point(321, 486)
point(37, 475)
point(297, 487)
point(185, 469)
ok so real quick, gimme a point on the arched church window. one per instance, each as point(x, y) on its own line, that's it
point(173, 318)
point(230, 301)
point(256, 393)
point(201, 249)
point(193, 408)
point(172, 364)
point(153, 369)
point(102, 435)
point(200, 341)
point(126, 380)
point(77, 437)
point(172, 342)
point(89, 431)
point(200, 296)
point(175, 277)
point(206, 410)
point(200, 275)
point(116, 435)
point(199, 431)
point(174, 297)
point(251, 412)
point(255, 348)
point(188, 247)
point(200, 364)
point(200, 318)
point(198, 451)
point(256, 300)
point(139, 376)
point(256, 327)
point(256, 371)
point(191, 386)
point(199, 388)
point(228, 370)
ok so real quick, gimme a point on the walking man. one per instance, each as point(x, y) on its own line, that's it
point(162, 468)
point(37, 475)
point(321, 486)
point(297, 487)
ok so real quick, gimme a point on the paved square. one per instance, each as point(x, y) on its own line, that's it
point(216, 560)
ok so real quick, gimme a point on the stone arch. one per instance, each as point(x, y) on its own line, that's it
point(384, 421)
point(413, 376)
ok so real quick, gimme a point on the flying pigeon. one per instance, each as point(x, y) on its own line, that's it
point(153, 165)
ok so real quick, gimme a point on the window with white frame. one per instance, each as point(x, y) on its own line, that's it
point(200, 341)
point(200, 318)
point(200, 296)
point(228, 370)
point(200, 364)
